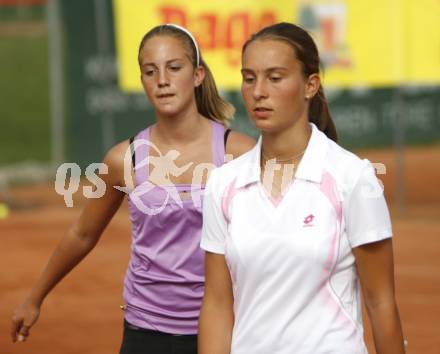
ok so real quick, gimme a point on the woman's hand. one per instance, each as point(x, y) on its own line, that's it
point(24, 317)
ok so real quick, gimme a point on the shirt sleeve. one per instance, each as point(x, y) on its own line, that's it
point(215, 227)
point(367, 218)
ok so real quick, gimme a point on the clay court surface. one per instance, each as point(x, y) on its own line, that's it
point(82, 314)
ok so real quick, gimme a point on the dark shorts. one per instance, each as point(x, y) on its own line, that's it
point(144, 341)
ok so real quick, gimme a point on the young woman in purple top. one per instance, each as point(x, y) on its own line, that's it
point(164, 282)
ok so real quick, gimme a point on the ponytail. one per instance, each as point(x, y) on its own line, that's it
point(210, 103)
point(319, 114)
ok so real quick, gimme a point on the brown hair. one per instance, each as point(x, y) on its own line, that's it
point(307, 53)
point(208, 100)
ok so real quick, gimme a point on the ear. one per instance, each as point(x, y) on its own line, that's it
point(199, 75)
point(313, 84)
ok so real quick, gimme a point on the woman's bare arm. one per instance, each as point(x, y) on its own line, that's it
point(78, 241)
point(216, 316)
point(375, 267)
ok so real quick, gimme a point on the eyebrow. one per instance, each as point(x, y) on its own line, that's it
point(268, 70)
point(167, 62)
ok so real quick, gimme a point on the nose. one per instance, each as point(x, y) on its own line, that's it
point(259, 92)
point(163, 79)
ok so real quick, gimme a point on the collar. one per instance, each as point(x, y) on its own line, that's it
point(310, 168)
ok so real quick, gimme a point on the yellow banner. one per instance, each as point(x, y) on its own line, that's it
point(423, 41)
point(357, 40)
point(220, 27)
point(375, 43)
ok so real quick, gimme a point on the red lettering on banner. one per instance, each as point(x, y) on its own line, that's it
point(237, 30)
point(216, 33)
point(173, 15)
point(266, 19)
point(207, 36)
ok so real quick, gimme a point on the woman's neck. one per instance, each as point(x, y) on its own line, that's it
point(184, 127)
point(286, 143)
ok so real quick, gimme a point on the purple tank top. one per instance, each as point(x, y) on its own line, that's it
point(164, 283)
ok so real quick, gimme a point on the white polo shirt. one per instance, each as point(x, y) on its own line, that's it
point(295, 285)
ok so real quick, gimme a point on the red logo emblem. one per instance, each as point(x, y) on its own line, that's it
point(308, 220)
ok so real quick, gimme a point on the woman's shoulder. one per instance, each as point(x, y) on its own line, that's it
point(114, 160)
point(123, 150)
point(118, 151)
point(238, 143)
point(341, 156)
point(346, 166)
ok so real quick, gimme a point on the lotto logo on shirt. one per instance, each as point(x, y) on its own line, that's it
point(308, 220)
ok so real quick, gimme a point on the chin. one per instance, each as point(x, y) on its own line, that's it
point(168, 112)
point(264, 124)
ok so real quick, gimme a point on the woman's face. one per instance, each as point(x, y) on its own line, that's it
point(167, 74)
point(274, 88)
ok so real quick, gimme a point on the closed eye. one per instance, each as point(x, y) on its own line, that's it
point(275, 78)
point(149, 72)
point(248, 79)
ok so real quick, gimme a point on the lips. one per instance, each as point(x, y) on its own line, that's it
point(262, 112)
point(165, 95)
point(262, 109)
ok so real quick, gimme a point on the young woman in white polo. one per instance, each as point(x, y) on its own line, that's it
point(296, 227)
